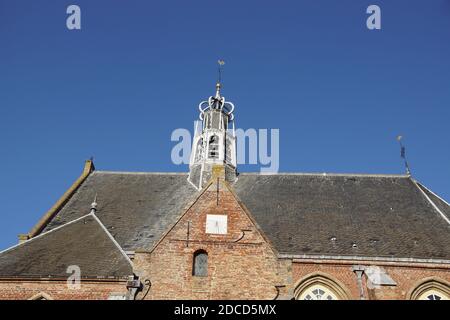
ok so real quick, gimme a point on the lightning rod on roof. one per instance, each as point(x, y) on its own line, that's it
point(94, 205)
point(403, 154)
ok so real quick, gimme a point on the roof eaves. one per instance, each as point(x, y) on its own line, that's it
point(364, 258)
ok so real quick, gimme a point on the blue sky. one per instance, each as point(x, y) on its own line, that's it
point(116, 89)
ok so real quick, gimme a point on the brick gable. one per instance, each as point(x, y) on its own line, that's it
point(241, 263)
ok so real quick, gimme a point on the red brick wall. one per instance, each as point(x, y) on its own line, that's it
point(407, 276)
point(244, 268)
point(58, 290)
point(247, 269)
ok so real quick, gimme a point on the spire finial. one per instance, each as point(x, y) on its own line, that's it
point(220, 63)
point(403, 154)
point(94, 205)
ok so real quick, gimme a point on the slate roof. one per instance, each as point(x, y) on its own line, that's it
point(367, 215)
point(136, 208)
point(301, 214)
point(83, 242)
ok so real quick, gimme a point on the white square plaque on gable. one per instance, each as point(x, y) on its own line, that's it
point(216, 224)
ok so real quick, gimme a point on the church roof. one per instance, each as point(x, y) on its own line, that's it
point(83, 242)
point(136, 208)
point(301, 214)
point(346, 215)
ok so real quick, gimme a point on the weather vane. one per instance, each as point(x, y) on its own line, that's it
point(220, 63)
point(403, 154)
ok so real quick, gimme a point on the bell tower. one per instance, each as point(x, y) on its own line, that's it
point(214, 141)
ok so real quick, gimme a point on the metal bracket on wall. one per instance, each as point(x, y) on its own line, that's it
point(278, 287)
point(242, 235)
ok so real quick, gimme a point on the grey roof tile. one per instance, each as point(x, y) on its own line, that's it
point(136, 208)
point(367, 215)
point(83, 243)
point(384, 216)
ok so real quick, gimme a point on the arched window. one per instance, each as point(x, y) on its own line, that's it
point(431, 289)
point(433, 295)
point(319, 286)
point(200, 265)
point(228, 145)
point(41, 296)
point(317, 292)
point(199, 150)
point(214, 147)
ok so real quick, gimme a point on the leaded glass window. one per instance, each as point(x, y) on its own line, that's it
point(200, 268)
point(318, 292)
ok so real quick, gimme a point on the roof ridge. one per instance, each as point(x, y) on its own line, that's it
point(112, 238)
point(140, 172)
point(433, 193)
point(62, 201)
point(431, 202)
point(377, 175)
point(43, 234)
point(327, 174)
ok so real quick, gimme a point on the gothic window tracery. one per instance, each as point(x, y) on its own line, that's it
point(317, 292)
point(433, 294)
point(320, 286)
point(431, 289)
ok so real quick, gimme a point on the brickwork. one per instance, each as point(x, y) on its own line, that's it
point(248, 268)
point(58, 290)
point(406, 276)
point(241, 264)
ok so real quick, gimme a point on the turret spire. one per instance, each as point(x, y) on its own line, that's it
point(215, 143)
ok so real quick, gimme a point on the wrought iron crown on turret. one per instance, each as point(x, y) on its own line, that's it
point(214, 142)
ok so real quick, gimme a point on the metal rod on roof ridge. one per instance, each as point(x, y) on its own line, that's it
point(403, 154)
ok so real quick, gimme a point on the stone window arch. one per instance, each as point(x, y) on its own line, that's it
point(200, 264)
point(430, 289)
point(319, 286)
point(41, 296)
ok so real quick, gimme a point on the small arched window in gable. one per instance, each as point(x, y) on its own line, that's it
point(200, 266)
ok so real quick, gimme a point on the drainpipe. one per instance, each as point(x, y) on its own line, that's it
point(133, 286)
point(359, 271)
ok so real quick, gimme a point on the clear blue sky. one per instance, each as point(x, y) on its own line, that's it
point(137, 70)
